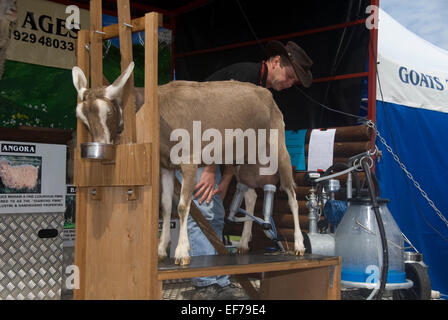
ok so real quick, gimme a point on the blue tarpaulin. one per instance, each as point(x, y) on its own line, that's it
point(295, 143)
point(412, 117)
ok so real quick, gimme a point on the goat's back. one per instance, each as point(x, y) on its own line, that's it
point(218, 104)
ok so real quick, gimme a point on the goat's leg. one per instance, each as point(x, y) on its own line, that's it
point(182, 255)
point(167, 184)
point(287, 184)
point(250, 198)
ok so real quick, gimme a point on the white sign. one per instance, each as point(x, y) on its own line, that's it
point(412, 86)
point(32, 177)
point(320, 150)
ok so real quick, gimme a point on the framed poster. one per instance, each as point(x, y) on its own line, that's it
point(32, 177)
point(70, 216)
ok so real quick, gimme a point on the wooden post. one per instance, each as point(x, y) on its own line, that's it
point(82, 135)
point(372, 79)
point(151, 134)
point(96, 43)
point(125, 36)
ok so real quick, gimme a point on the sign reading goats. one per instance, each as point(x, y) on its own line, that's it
point(413, 86)
point(415, 78)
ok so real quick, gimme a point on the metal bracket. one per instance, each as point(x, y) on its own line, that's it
point(95, 193)
point(131, 194)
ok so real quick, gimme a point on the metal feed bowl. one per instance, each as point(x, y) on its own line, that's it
point(97, 151)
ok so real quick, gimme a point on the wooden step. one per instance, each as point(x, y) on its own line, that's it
point(207, 266)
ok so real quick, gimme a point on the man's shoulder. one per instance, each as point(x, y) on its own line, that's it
point(242, 67)
point(242, 71)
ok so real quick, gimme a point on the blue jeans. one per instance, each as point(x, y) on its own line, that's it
point(199, 244)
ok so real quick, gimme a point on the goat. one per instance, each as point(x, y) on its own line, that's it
point(218, 106)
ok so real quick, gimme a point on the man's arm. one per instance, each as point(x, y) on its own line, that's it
point(206, 184)
point(225, 181)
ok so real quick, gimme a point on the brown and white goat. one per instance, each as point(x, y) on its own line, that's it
point(219, 106)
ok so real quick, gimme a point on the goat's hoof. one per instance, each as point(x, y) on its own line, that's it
point(242, 250)
point(300, 252)
point(161, 258)
point(182, 261)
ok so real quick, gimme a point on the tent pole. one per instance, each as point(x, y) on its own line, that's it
point(373, 55)
point(371, 82)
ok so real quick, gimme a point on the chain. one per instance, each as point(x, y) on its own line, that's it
point(370, 124)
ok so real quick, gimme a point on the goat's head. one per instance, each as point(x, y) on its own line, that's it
point(100, 109)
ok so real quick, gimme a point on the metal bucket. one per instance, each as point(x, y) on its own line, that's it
point(97, 151)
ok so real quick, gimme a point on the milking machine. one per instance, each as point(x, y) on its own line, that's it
point(266, 224)
point(360, 229)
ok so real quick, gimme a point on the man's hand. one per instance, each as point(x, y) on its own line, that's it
point(206, 185)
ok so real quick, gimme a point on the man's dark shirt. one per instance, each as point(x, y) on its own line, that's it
point(244, 72)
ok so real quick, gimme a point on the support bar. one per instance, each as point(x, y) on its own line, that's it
point(138, 25)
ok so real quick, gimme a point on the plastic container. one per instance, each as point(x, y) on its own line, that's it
point(358, 242)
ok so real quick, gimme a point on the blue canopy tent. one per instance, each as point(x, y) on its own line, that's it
point(412, 117)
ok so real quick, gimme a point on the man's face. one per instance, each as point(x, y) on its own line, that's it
point(282, 77)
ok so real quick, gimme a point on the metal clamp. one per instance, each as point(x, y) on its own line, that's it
point(131, 194)
point(236, 203)
point(94, 194)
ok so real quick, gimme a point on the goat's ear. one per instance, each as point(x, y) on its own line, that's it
point(79, 81)
point(115, 89)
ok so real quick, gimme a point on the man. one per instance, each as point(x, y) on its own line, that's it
point(287, 66)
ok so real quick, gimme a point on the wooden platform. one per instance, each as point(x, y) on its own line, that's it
point(285, 276)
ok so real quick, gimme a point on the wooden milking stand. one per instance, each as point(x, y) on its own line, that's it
point(117, 203)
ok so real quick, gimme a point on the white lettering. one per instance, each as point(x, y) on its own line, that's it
point(372, 20)
point(72, 281)
point(192, 310)
point(180, 152)
point(73, 21)
point(234, 140)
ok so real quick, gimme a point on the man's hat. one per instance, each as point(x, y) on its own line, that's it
point(297, 56)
